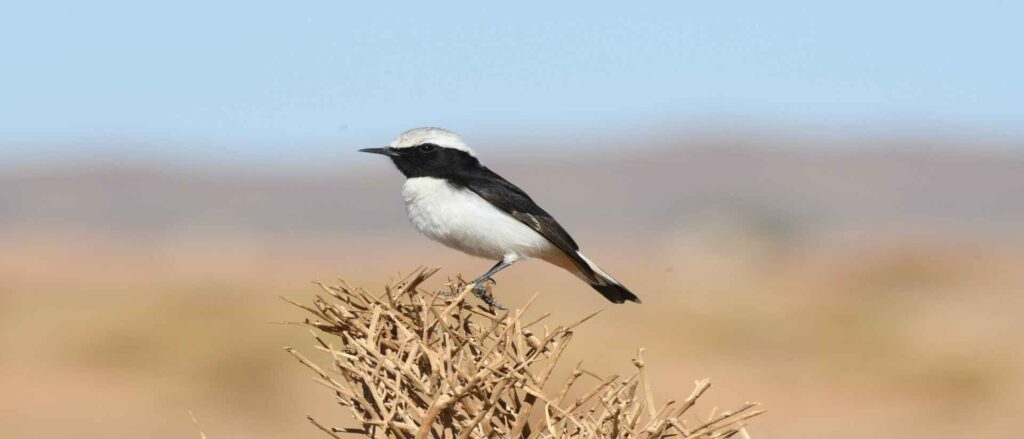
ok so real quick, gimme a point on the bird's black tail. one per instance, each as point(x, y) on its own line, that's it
point(604, 283)
point(615, 292)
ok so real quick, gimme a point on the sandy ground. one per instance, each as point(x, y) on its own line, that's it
point(843, 335)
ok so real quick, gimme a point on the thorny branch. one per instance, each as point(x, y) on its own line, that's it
point(412, 364)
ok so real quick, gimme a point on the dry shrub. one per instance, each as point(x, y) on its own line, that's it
point(412, 363)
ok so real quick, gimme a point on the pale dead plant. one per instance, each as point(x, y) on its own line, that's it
point(411, 363)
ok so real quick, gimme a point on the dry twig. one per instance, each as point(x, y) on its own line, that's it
point(411, 364)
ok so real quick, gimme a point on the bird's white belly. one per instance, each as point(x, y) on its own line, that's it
point(461, 219)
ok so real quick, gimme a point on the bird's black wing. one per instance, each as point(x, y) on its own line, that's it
point(513, 201)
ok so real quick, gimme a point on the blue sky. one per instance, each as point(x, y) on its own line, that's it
point(268, 77)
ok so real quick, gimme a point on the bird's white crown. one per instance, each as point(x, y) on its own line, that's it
point(438, 136)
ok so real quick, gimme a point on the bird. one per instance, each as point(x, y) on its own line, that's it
point(455, 200)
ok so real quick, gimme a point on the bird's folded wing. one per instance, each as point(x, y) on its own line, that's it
point(513, 201)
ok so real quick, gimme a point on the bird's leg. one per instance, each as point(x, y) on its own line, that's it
point(479, 282)
point(501, 265)
point(479, 287)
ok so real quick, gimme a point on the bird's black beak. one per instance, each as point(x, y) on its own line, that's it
point(390, 152)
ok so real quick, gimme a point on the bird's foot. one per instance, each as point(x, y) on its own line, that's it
point(480, 291)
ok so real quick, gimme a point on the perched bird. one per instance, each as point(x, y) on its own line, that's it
point(453, 199)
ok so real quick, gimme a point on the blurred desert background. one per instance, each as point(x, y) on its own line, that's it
point(879, 285)
point(826, 220)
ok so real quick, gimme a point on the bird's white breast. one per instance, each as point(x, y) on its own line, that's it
point(461, 219)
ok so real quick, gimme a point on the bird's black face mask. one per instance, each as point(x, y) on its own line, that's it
point(427, 160)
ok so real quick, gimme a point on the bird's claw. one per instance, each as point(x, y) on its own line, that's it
point(480, 291)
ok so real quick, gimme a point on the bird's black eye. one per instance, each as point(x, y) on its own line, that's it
point(427, 147)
